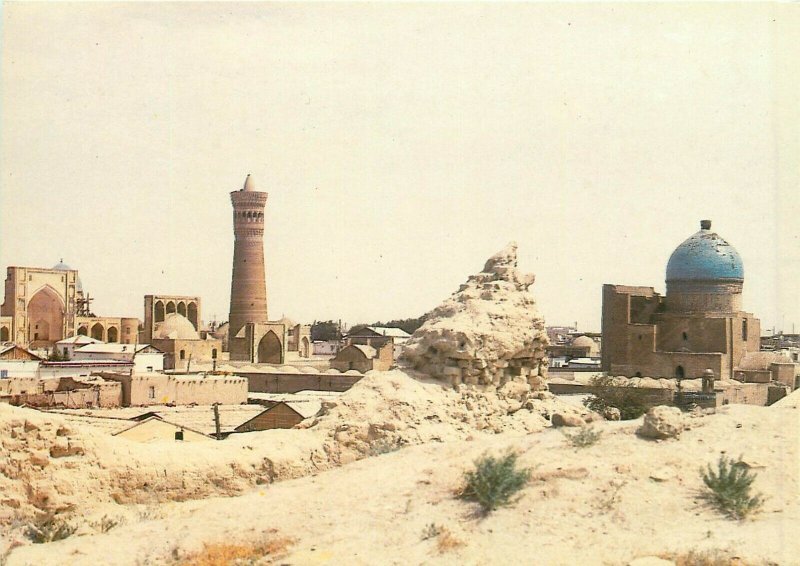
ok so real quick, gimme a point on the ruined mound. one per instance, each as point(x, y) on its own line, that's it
point(487, 333)
point(388, 410)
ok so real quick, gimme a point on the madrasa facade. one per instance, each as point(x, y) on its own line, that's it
point(699, 325)
point(43, 306)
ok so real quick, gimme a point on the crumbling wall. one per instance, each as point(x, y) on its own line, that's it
point(487, 333)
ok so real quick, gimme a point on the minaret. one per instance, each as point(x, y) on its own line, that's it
point(248, 281)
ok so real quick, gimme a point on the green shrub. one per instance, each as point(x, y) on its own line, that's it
point(585, 437)
point(494, 481)
point(108, 523)
point(627, 398)
point(49, 528)
point(383, 446)
point(729, 488)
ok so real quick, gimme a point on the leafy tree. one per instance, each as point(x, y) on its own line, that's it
point(325, 330)
point(627, 398)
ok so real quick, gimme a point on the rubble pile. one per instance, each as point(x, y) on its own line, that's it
point(487, 333)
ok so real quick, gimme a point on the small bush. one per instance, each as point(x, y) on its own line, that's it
point(627, 398)
point(585, 437)
point(729, 488)
point(383, 446)
point(107, 523)
point(706, 558)
point(494, 481)
point(49, 528)
point(432, 530)
point(226, 554)
point(446, 541)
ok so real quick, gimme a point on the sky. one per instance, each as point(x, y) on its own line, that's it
point(401, 145)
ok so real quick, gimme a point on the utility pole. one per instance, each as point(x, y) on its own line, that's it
point(216, 421)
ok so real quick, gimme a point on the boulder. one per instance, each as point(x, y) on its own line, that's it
point(611, 414)
point(566, 419)
point(662, 422)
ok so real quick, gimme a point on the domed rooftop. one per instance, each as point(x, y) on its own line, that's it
point(61, 266)
point(583, 341)
point(705, 256)
point(175, 327)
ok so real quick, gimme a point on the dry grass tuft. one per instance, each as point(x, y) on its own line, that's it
point(228, 554)
point(447, 541)
point(706, 558)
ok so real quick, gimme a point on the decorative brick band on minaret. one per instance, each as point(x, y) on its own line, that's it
point(248, 281)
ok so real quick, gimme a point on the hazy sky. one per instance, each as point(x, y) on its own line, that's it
point(401, 145)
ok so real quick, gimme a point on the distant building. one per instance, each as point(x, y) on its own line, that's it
point(364, 358)
point(698, 325)
point(18, 362)
point(145, 358)
point(326, 347)
point(154, 429)
point(572, 347)
point(43, 306)
point(143, 389)
point(376, 336)
point(177, 337)
point(67, 346)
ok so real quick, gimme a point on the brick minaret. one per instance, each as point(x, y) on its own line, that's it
point(248, 281)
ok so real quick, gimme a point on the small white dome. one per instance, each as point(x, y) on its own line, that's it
point(175, 327)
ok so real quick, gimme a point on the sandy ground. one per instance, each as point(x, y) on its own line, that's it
point(623, 498)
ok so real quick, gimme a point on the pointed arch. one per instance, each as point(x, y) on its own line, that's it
point(45, 316)
point(305, 347)
point(113, 334)
point(159, 312)
point(170, 308)
point(4, 334)
point(98, 331)
point(83, 331)
point(182, 309)
point(192, 315)
point(270, 349)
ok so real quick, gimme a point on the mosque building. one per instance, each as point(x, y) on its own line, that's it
point(699, 324)
point(43, 306)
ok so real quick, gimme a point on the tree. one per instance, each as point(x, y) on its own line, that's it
point(325, 330)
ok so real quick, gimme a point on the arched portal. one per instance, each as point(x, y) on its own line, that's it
point(45, 310)
point(83, 331)
point(305, 348)
point(159, 311)
point(192, 315)
point(4, 334)
point(170, 307)
point(113, 334)
point(97, 331)
point(679, 373)
point(182, 309)
point(269, 349)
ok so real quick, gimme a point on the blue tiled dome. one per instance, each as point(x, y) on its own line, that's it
point(705, 256)
point(61, 266)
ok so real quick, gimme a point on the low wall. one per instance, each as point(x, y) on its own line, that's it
point(294, 382)
point(648, 395)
